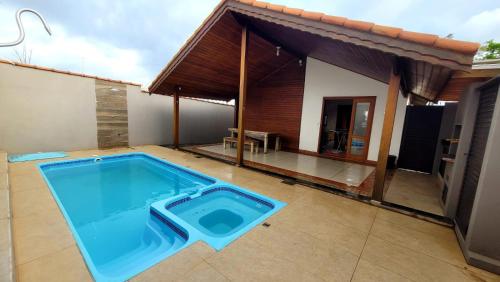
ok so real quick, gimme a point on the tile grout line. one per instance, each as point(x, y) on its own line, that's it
point(389, 270)
point(216, 270)
point(422, 253)
point(49, 254)
point(364, 245)
point(350, 226)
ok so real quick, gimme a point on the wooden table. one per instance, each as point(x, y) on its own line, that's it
point(260, 135)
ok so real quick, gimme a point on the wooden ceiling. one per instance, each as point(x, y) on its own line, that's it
point(211, 70)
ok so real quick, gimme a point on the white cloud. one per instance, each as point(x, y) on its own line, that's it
point(483, 26)
point(74, 53)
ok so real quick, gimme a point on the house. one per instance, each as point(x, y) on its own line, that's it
point(332, 91)
point(291, 72)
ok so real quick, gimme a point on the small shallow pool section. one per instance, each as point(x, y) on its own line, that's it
point(128, 212)
point(219, 214)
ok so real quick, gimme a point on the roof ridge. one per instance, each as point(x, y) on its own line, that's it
point(464, 47)
point(2, 61)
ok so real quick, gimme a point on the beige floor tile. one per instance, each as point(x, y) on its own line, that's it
point(26, 182)
point(32, 201)
point(412, 222)
point(348, 173)
point(203, 272)
point(65, 265)
point(332, 262)
point(442, 245)
point(3, 161)
point(275, 189)
point(246, 260)
point(342, 210)
point(4, 181)
point(5, 249)
point(369, 272)
point(415, 190)
point(39, 235)
point(4, 204)
point(414, 265)
point(178, 265)
point(321, 226)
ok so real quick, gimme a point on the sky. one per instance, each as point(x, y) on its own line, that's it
point(133, 40)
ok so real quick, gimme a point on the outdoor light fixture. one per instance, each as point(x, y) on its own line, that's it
point(300, 62)
point(278, 48)
point(114, 89)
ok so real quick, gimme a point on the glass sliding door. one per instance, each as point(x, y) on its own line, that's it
point(360, 130)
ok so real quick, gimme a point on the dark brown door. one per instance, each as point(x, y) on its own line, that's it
point(420, 137)
point(475, 157)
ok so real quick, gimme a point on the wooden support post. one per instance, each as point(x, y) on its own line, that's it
point(385, 140)
point(236, 109)
point(242, 96)
point(175, 128)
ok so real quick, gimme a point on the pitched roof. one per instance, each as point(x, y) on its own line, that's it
point(464, 47)
point(427, 60)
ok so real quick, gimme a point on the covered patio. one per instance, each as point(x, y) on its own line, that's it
point(349, 177)
point(257, 54)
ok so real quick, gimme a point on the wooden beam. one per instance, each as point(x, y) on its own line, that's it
point(175, 128)
point(242, 96)
point(385, 140)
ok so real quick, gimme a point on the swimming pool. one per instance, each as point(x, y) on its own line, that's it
point(116, 207)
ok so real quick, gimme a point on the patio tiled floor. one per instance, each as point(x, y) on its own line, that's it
point(317, 237)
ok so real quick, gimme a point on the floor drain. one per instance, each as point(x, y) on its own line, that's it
point(265, 224)
point(289, 182)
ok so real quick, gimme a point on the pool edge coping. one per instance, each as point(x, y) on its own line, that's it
point(7, 260)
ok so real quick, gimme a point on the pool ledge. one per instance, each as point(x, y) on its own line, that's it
point(6, 250)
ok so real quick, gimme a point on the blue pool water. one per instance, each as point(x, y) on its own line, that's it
point(116, 208)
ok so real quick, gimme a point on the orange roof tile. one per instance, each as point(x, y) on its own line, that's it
point(311, 15)
point(333, 20)
point(277, 8)
point(456, 45)
point(66, 72)
point(418, 37)
point(260, 4)
point(432, 40)
point(292, 11)
point(360, 25)
point(387, 30)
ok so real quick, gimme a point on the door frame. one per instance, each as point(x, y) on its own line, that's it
point(371, 113)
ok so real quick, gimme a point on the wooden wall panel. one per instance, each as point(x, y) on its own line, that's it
point(456, 86)
point(275, 104)
point(112, 114)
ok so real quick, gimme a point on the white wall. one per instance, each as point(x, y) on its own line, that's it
point(150, 119)
point(45, 111)
point(325, 80)
point(202, 122)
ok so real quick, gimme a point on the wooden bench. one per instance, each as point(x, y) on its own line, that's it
point(254, 144)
